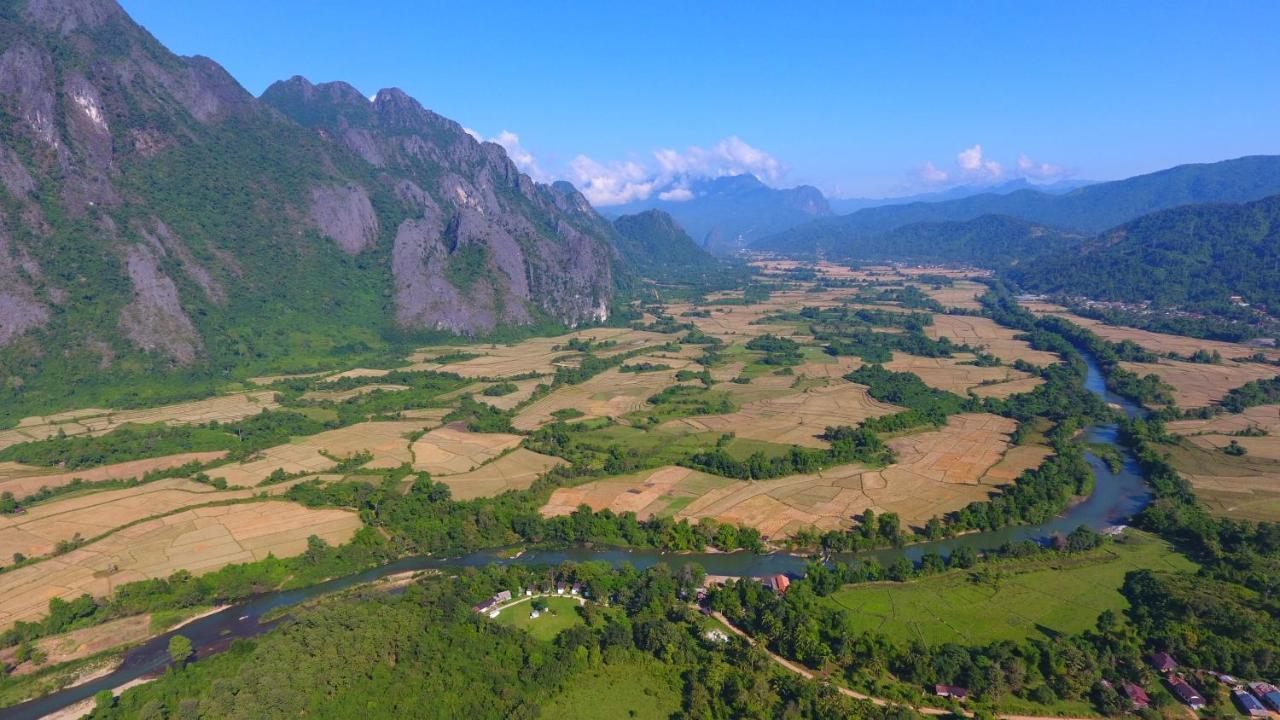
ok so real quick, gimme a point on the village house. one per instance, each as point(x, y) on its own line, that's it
point(1249, 704)
point(1137, 696)
point(1163, 662)
point(1269, 694)
point(951, 691)
point(777, 583)
point(1186, 693)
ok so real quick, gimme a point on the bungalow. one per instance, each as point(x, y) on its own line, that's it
point(777, 583)
point(504, 596)
point(1164, 662)
point(951, 691)
point(1268, 692)
point(1136, 695)
point(485, 606)
point(575, 589)
point(1186, 693)
point(560, 588)
point(1249, 704)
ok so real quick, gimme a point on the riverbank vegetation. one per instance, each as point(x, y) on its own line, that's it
point(452, 662)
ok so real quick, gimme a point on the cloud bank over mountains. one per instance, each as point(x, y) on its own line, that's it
point(666, 173)
point(974, 166)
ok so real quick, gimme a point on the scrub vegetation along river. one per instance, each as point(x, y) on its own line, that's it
point(818, 409)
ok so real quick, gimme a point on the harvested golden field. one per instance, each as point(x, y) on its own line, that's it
point(834, 369)
point(1199, 384)
point(646, 493)
point(37, 531)
point(341, 395)
point(1016, 460)
point(950, 375)
point(962, 294)
point(198, 540)
point(359, 373)
point(936, 472)
point(272, 379)
point(1264, 448)
point(450, 450)
point(514, 471)
point(984, 333)
point(1246, 488)
point(796, 418)
point(1160, 343)
point(1008, 388)
point(387, 441)
point(82, 643)
point(534, 354)
point(97, 421)
point(1263, 417)
point(609, 394)
point(23, 480)
point(524, 390)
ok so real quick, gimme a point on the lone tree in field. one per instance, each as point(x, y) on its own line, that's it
point(179, 650)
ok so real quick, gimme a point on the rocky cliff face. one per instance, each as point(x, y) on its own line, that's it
point(155, 214)
point(482, 243)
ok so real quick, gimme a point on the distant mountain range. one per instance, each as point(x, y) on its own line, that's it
point(1088, 210)
point(726, 214)
point(844, 206)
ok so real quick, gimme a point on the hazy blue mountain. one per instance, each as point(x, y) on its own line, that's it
point(1090, 209)
point(726, 214)
point(844, 206)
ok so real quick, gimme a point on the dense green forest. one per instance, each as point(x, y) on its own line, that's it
point(993, 241)
point(652, 245)
point(425, 653)
point(1193, 258)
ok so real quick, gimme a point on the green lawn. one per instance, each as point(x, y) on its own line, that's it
point(562, 613)
point(1029, 598)
point(640, 690)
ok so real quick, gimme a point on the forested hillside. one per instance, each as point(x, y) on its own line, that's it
point(1088, 210)
point(651, 244)
point(1189, 257)
point(988, 241)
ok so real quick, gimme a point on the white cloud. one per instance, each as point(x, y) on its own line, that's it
point(1033, 170)
point(613, 183)
point(976, 166)
point(931, 175)
point(730, 156)
point(676, 195)
point(666, 172)
point(523, 159)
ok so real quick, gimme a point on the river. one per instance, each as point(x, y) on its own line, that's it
point(1116, 497)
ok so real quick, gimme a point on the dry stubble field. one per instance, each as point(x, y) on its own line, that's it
point(200, 540)
point(937, 471)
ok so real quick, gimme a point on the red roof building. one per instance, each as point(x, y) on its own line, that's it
point(1136, 695)
point(777, 583)
point(1186, 693)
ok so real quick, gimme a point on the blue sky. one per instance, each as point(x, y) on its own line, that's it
point(860, 99)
